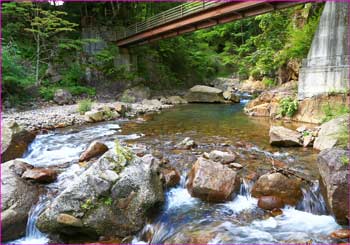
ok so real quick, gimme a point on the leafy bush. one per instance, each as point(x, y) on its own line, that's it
point(48, 92)
point(288, 106)
point(268, 82)
point(332, 112)
point(84, 106)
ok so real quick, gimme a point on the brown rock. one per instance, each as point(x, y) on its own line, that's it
point(281, 136)
point(95, 149)
point(170, 176)
point(120, 108)
point(270, 202)
point(341, 234)
point(212, 181)
point(69, 220)
point(277, 184)
point(40, 175)
point(14, 141)
point(276, 211)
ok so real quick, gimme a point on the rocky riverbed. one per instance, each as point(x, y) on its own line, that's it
point(182, 151)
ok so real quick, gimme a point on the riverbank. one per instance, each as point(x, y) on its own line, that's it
point(60, 116)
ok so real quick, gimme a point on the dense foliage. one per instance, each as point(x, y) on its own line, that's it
point(39, 36)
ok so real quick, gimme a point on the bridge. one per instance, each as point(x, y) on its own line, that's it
point(325, 69)
point(192, 16)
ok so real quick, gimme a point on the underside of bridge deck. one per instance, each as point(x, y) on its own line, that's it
point(218, 14)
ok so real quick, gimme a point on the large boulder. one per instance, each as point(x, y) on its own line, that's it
point(334, 171)
point(330, 132)
point(281, 136)
point(288, 189)
point(205, 94)
point(111, 198)
point(212, 181)
point(63, 97)
point(95, 149)
point(14, 141)
point(136, 94)
point(17, 198)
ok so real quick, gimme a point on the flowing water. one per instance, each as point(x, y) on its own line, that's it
point(185, 219)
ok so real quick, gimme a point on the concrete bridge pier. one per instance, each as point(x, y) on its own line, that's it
point(326, 68)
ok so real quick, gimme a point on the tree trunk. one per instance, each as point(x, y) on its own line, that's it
point(37, 61)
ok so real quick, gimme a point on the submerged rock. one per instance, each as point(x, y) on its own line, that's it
point(341, 234)
point(111, 198)
point(14, 141)
point(17, 198)
point(334, 170)
point(212, 181)
point(281, 136)
point(329, 134)
point(95, 149)
point(278, 185)
point(205, 94)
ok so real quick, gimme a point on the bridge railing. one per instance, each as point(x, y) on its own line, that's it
point(167, 16)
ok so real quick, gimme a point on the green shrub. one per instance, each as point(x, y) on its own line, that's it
point(332, 112)
point(84, 106)
point(288, 106)
point(345, 160)
point(268, 82)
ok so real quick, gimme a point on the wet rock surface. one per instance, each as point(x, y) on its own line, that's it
point(212, 181)
point(334, 181)
point(270, 202)
point(281, 136)
point(95, 149)
point(14, 140)
point(111, 198)
point(17, 198)
point(40, 175)
point(278, 185)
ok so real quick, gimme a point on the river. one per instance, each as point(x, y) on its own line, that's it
point(183, 218)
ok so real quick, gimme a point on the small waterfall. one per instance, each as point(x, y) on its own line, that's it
point(313, 201)
point(246, 188)
point(33, 235)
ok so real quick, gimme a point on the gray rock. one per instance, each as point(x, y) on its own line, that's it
point(94, 116)
point(334, 170)
point(223, 157)
point(187, 143)
point(17, 198)
point(63, 97)
point(205, 94)
point(14, 141)
point(281, 136)
point(328, 136)
point(175, 100)
point(106, 203)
